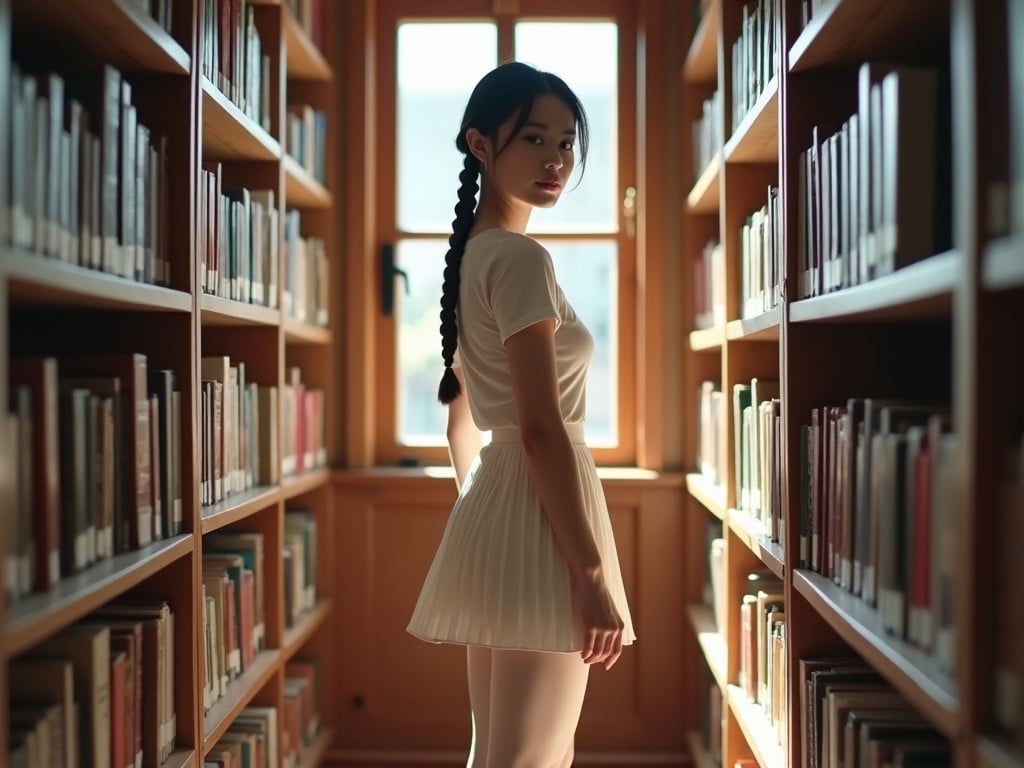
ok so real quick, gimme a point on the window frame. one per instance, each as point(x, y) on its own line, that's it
point(381, 330)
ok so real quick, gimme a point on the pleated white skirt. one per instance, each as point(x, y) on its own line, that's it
point(498, 578)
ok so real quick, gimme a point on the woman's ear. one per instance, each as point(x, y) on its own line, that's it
point(479, 145)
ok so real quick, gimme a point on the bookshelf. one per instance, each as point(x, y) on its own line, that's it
point(265, 317)
point(935, 331)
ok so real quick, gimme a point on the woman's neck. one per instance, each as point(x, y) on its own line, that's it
point(493, 212)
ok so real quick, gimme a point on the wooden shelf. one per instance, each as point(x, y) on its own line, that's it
point(919, 291)
point(239, 694)
point(757, 729)
point(181, 758)
point(296, 485)
point(858, 30)
point(698, 750)
point(295, 637)
point(711, 496)
point(701, 65)
point(313, 755)
point(711, 641)
point(301, 189)
point(117, 32)
point(298, 332)
point(237, 507)
point(756, 140)
point(707, 339)
point(35, 280)
point(752, 533)
point(911, 671)
point(998, 752)
point(1003, 265)
point(764, 327)
point(304, 60)
point(36, 617)
point(215, 310)
point(228, 134)
point(703, 198)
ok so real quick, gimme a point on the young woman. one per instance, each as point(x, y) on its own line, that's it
point(526, 574)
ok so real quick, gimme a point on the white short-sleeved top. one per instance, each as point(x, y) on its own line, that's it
point(507, 283)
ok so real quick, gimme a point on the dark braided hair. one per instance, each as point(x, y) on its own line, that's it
point(506, 91)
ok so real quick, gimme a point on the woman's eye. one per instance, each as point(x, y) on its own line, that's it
point(533, 138)
point(567, 146)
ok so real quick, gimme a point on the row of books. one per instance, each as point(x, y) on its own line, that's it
point(239, 240)
point(306, 139)
point(251, 741)
point(160, 10)
point(234, 604)
point(310, 14)
point(88, 182)
point(762, 638)
point(709, 286)
point(232, 58)
point(301, 708)
point(755, 55)
point(761, 257)
point(303, 444)
point(239, 420)
point(707, 134)
point(757, 445)
point(877, 512)
point(1015, 65)
point(874, 196)
point(1008, 692)
point(306, 294)
point(299, 555)
point(98, 463)
point(98, 693)
point(851, 717)
point(711, 432)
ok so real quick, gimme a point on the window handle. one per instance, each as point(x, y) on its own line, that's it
point(388, 272)
point(629, 211)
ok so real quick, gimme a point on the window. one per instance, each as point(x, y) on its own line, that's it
point(435, 64)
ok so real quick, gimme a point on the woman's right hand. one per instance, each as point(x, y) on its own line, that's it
point(601, 624)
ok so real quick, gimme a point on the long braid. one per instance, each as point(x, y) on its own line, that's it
point(449, 388)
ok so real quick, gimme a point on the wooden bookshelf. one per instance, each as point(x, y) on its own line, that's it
point(237, 507)
point(228, 133)
point(759, 734)
point(707, 339)
point(36, 279)
point(301, 189)
point(701, 65)
point(756, 139)
point(215, 310)
point(712, 497)
point(52, 307)
point(703, 198)
point(38, 616)
point(141, 43)
point(304, 59)
point(712, 644)
point(936, 330)
point(763, 327)
point(921, 290)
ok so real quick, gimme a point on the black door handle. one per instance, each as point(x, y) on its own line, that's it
point(388, 272)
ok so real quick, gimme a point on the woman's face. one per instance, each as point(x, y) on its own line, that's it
point(534, 167)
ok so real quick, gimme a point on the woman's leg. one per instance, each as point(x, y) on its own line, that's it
point(478, 661)
point(536, 700)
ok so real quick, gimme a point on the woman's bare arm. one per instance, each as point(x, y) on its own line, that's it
point(531, 355)
point(464, 439)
